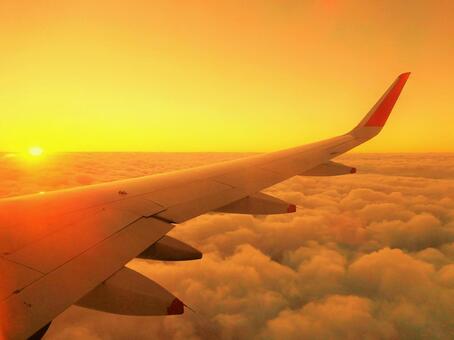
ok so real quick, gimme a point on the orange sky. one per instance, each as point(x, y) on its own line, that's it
point(221, 75)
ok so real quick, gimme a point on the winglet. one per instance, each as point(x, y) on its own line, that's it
point(376, 118)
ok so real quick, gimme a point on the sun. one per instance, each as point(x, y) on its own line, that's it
point(35, 151)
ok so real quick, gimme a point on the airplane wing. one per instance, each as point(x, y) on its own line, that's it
point(70, 246)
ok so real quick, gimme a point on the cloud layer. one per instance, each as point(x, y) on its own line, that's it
point(369, 255)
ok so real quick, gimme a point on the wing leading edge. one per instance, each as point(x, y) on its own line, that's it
point(122, 219)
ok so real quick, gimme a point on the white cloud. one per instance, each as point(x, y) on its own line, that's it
point(366, 255)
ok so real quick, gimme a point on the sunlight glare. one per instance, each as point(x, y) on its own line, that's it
point(35, 151)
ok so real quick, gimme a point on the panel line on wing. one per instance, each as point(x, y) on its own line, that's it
point(42, 255)
point(64, 263)
point(22, 264)
point(24, 313)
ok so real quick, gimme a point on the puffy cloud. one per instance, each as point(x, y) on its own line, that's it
point(419, 232)
point(335, 317)
point(390, 273)
point(446, 276)
point(365, 256)
point(428, 165)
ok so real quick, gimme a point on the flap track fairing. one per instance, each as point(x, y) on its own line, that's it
point(170, 249)
point(330, 169)
point(130, 293)
point(258, 204)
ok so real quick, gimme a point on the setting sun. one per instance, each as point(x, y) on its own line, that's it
point(35, 151)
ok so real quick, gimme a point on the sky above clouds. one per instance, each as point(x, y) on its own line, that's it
point(224, 75)
point(368, 255)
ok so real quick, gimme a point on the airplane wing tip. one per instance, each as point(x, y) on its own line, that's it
point(378, 115)
point(381, 113)
point(405, 75)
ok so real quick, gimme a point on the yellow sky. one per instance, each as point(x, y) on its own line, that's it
point(221, 75)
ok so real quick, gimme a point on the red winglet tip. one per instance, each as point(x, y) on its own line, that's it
point(291, 208)
point(176, 307)
point(382, 111)
point(353, 170)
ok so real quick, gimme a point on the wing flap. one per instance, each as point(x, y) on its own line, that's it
point(27, 311)
point(29, 226)
point(50, 252)
point(38, 216)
